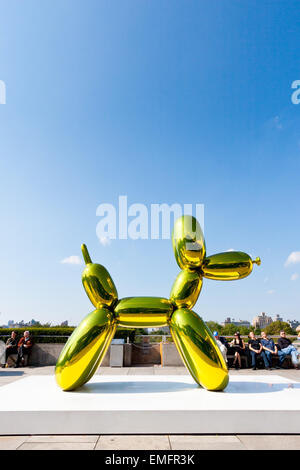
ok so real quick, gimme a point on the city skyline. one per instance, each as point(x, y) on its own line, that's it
point(233, 320)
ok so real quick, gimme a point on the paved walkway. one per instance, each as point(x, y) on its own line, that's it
point(146, 442)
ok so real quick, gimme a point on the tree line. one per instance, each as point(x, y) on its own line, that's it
point(272, 329)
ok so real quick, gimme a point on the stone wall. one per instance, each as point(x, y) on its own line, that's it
point(146, 354)
point(46, 354)
point(169, 355)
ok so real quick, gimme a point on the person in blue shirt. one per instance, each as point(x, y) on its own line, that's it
point(256, 350)
point(269, 348)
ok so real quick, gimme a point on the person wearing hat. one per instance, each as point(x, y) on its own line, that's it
point(222, 343)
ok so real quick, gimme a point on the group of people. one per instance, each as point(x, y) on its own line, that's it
point(21, 347)
point(263, 348)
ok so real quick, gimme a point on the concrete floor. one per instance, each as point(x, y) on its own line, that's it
point(146, 442)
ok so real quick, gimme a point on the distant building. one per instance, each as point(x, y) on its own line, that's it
point(277, 318)
point(64, 323)
point(293, 323)
point(153, 331)
point(229, 321)
point(21, 324)
point(261, 321)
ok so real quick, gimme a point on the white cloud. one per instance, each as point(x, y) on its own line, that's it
point(230, 249)
point(105, 241)
point(271, 291)
point(294, 277)
point(293, 258)
point(72, 260)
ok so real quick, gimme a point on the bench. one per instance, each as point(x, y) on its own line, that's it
point(246, 359)
point(12, 360)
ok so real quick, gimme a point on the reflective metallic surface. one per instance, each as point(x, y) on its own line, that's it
point(85, 349)
point(88, 344)
point(199, 349)
point(228, 266)
point(140, 312)
point(188, 242)
point(98, 283)
point(186, 289)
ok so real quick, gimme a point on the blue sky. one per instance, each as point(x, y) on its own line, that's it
point(165, 102)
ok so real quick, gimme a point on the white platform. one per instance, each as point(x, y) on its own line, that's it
point(150, 404)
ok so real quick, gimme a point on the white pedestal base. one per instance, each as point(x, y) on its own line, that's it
point(150, 405)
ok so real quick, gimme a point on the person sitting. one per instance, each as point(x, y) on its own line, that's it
point(256, 351)
point(285, 348)
point(222, 343)
point(11, 347)
point(239, 350)
point(24, 348)
point(296, 343)
point(269, 347)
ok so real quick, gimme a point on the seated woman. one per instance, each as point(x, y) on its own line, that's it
point(238, 346)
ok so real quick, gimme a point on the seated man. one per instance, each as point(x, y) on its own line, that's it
point(24, 348)
point(256, 351)
point(11, 347)
point(269, 348)
point(296, 343)
point(222, 343)
point(285, 348)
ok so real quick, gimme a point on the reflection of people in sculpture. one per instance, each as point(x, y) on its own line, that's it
point(88, 344)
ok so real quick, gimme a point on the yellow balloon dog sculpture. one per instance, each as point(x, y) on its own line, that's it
point(88, 344)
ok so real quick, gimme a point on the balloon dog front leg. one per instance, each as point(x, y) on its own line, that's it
point(85, 349)
point(88, 344)
point(198, 349)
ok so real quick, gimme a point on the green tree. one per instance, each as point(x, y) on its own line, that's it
point(230, 329)
point(244, 330)
point(214, 326)
point(277, 326)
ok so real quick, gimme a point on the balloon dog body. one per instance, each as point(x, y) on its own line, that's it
point(88, 344)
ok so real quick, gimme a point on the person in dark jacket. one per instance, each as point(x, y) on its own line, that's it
point(256, 350)
point(24, 348)
point(11, 347)
point(285, 347)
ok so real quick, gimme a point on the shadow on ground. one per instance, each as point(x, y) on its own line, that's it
point(4, 373)
point(135, 387)
point(242, 388)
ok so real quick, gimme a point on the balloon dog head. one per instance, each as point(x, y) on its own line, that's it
point(89, 342)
